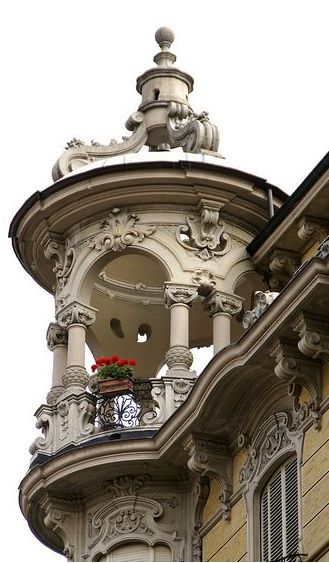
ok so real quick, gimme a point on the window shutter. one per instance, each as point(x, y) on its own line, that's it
point(137, 552)
point(279, 514)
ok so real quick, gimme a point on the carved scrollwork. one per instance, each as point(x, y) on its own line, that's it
point(120, 230)
point(181, 388)
point(179, 293)
point(283, 265)
point(193, 132)
point(56, 336)
point(204, 235)
point(63, 256)
point(314, 336)
point(303, 410)
point(219, 302)
point(205, 280)
point(76, 313)
point(125, 485)
point(262, 301)
point(310, 228)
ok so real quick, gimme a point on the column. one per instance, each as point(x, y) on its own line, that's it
point(57, 343)
point(179, 298)
point(222, 307)
point(76, 318)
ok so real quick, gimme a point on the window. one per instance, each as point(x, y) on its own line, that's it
point(135, 551)
point(279, 514)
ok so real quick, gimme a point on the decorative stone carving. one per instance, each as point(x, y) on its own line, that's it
point(205, 280)
point(120, 230)
point(323, 251)
point(76, 313)
point(78, 154)
point(179, 356)
point(125, 485)
point(44, 422)
point(309, 228)
point(205, 235)
point(219, 302)
point(192, 132)
point(283, 264)
point(294, 368)
point(63, 411)
point(208, 458)
point(262, 301)
point(199, 498)
point(75, 377)
point(62, 256)
point(54, 394)
point(272, 438)
point(314, 336)
point(56, 336)
point(179, 293)
point(302, 411)
point(182, 388)
point(60, 518)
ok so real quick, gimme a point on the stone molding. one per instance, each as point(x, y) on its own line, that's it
point(76, 313)
point(219, 302)
point(263, 299)
point(56, 336)
point(120, 230)
point(205, 234)
point(176, 293)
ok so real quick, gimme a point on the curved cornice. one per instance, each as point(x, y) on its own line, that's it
point(219, 380)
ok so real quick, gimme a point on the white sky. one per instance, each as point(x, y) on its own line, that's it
point(68, 69)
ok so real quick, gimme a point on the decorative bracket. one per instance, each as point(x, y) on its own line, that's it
point(205, 235)
point(208, 458)
point(298, 371)
point(311, 230)
point(314, 336)
point(283, 264)
point(62, 256)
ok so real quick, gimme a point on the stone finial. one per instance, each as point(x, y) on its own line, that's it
point(164, 36)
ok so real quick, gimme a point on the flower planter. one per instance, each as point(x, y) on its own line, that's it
point(112, 387)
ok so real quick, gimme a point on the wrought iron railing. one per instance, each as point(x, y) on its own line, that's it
point(128, 410)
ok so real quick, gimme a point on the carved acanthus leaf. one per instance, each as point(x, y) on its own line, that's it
point(62, 256)
point(56, 336)
point(120, 230)
point(76, 313)
point(180, 293)
point(125, 485)
point(219, 302)
point(205, 235)
point(205, 280)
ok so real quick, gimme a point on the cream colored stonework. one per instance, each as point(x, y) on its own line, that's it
point(223, 533)
point(238, 462)
point(325, 379)
point(311, 251)
point(315, 439)
point(212, 505)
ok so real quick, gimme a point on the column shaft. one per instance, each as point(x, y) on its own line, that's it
point(76, 345)
point(59, 364)
point(221, 331)
point(179, 325)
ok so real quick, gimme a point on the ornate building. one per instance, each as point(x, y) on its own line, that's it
point(149, 254)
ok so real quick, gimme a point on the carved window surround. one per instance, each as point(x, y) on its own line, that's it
point(271, 444)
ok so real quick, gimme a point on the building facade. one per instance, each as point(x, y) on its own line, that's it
point(150, 254)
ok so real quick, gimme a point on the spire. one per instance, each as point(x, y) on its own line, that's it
point(165, 119)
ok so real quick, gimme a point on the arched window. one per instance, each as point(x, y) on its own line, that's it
point(279, 514)
point(136, 551)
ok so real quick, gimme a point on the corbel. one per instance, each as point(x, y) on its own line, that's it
point(313, 336)
point(208, 458)
point(299, 371)
point(283, 264)
point(61, 519)
point(311, 230)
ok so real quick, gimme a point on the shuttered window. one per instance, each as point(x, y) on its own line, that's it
point(135, 551)
point(279, 514)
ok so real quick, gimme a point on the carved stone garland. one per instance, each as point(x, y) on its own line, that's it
point(120, 230)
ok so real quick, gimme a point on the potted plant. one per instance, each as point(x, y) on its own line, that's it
point(115, 376)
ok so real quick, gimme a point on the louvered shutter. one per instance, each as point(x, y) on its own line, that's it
point(135, 551)
point(279, 514)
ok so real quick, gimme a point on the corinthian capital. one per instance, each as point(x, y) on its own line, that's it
point(56, 336)
point(180, 293)
point(76, 313)
point(219, 302)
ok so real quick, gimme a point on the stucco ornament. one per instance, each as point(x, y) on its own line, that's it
point(204, 235)
point(62, 256)
point(193, 132)
point(76, 313)
point(120, 230)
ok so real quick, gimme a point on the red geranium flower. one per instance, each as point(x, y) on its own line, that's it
point(94, 367)
point(132, 362)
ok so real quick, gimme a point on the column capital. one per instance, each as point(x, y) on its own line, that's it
point(56, 336)
point(76, 313)
point(179, 293)
point(219, 302)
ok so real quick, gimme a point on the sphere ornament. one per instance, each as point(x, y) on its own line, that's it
point(164, 36)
